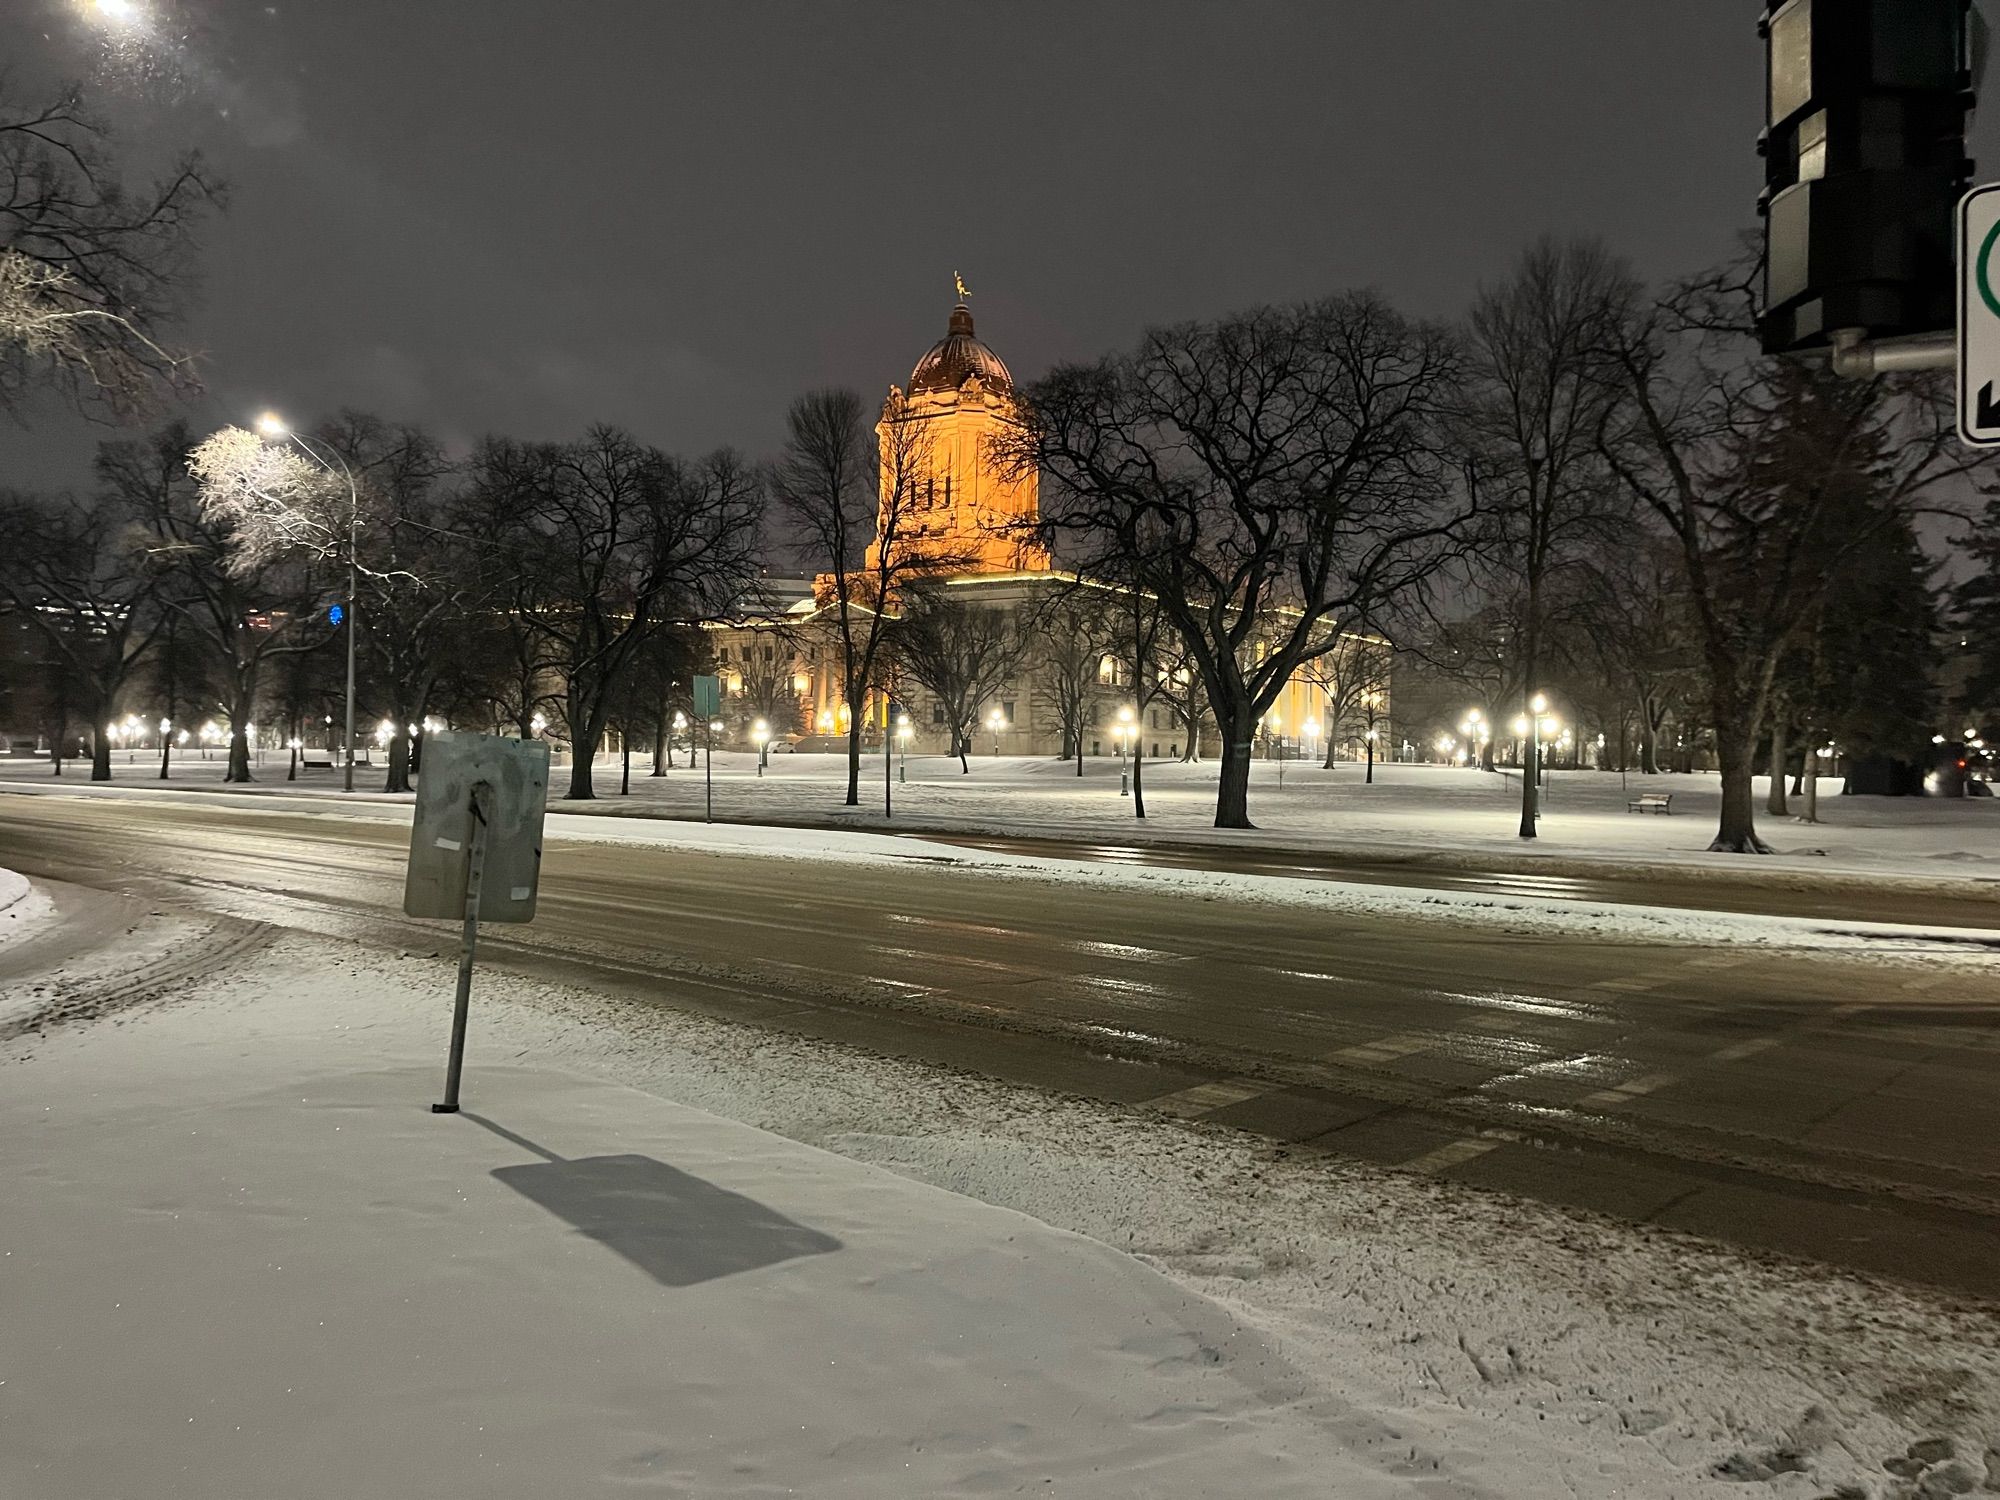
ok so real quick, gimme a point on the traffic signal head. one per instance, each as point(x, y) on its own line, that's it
point(1864, 161)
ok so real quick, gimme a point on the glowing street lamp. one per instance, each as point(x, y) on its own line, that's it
point(273, 429)
point(904, 730)
point(997, 722)
point(760, 736)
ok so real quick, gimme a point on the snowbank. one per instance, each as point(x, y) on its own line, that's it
point(23, 908)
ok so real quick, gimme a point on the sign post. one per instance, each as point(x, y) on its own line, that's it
point(707, 704)
point(475, 851)
point(1979, 317)
point(888, 759)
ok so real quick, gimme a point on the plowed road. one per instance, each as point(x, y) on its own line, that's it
point(1827, 1109)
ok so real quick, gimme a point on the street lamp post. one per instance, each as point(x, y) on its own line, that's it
point(708, 768)
point(1125, 730)
point(996, 721)
point(760, 734)
point(271, 426)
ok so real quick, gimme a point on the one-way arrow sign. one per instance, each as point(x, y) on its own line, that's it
point(1979, 317)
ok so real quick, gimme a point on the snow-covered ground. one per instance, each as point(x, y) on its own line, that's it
point(1440, 811)
point(240, 1258)
point(22, 906)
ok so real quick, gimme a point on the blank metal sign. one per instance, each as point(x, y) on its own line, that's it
point(517, 774)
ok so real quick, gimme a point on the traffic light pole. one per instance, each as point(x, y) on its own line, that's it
point(1857, 357)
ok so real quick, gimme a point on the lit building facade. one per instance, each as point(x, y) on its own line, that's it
point(944, 496)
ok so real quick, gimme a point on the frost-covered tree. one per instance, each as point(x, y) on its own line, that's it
point(246, 615)
point(91, 272)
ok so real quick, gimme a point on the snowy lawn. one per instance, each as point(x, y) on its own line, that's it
point(241, 1259)
point(1439, 811)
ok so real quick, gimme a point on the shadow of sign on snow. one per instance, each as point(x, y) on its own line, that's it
point(675, 1227)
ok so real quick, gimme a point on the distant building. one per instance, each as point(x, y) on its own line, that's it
point(779, 659)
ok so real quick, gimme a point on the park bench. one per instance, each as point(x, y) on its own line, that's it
point(1659, 802)
point(316, 760)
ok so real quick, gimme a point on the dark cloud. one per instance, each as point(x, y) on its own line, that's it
point(516, 216)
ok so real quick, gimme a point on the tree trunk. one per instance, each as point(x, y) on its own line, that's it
point(100, 747)
point(1138, 783)
point(660, 747)
point(583, 751)
point(624, 763)
point(1079, 750)
point(1236, 726)
point(1775, 803)
point(399, 760)
point(1370, 778)
point(1736, 751)
point(239, 751)
point(853, 756)
point(1810, 813)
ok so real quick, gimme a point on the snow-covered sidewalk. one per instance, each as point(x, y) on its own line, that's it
point(240, 1258)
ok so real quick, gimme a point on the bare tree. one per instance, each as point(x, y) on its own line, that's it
point(1536, 402)
point(1069, 632)
point(855, 505)
point(90, 273)
point(608, 539)
point(1178, 685)
point(964, 653)
point(1768, 475)
point(767, 690)
point(71, 571)
point(1636, 625)
point(1355, 667)
point(418, 569)
point(1272, 479)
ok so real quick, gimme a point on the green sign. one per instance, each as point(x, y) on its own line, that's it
point(707, 697)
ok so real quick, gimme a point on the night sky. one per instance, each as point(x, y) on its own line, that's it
point(523, 216)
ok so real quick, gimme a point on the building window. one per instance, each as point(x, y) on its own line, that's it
point(937, 713)
point(1107, 669)
point(1007, 711)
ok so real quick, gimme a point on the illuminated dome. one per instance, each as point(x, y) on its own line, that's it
point(957, 355)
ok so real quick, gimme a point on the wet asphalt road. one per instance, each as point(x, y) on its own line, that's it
point(1833, 1110)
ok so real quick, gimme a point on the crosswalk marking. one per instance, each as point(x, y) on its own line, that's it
point(1382, 1049)
point(1632, 1088)
point(1451, 1155)
point(1206, 1098)
point(1737, 1051)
